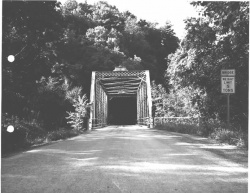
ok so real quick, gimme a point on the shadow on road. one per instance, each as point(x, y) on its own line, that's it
point(128, 159)
point(233, 153)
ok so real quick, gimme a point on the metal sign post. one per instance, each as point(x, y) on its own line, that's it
point(228, 110)
point(228, 87)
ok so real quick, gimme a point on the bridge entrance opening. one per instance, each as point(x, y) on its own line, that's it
point(122, 111)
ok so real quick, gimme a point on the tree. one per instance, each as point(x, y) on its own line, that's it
point(161, 43)
point(218, 40)
point(107, 16)
point(30, 32)
point(56, 47)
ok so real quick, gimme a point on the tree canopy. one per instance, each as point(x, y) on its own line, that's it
point(56, 47)
point(217, 40)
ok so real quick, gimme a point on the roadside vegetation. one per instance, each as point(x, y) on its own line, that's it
point(56, 47)
point(27, 134)
point(45, 89)
point(218, 40)
point(212, 129)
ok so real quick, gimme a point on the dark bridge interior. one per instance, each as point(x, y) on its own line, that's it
point(122, 111)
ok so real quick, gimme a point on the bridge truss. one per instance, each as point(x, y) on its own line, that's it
point(108, 84)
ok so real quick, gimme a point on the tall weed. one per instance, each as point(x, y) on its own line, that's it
point(76, 119)
point(211, 128)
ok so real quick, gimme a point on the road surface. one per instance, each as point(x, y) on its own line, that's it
point(127, 159)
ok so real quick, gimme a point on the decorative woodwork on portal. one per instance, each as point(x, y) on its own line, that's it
point(120, 83)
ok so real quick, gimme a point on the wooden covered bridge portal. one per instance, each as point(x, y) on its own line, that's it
point(120, 83)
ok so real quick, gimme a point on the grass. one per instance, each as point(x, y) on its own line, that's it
point(62, 134)
point(212, 129)
point(27, 134)
point(232, 137)
point(14, 142)
point(180, 128)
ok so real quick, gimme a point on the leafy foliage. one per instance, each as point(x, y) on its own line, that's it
point(180, 125)
point(25, 133)
point(61, 134)
point(56, 47)
point(218, 40)
point(77, 117)
point(30, 32)
point(178, 102)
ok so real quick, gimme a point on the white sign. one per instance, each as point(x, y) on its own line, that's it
point(228, 72)
point(228, 85)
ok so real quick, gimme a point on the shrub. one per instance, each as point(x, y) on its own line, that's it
point(24, 134)
point(28, 133)
point(77, 118)
point(179, 124)
point(230, 136)
point(211, 128)
point(62, 134)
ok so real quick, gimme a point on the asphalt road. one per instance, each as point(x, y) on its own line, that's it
point(127, 159)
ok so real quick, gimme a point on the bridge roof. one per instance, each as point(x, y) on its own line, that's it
point(121, 83)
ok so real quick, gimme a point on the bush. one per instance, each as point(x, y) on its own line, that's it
point(180, 125)
point(50, 103)
point(27, 134)
point(77, 118)
point(13, 141)
point(224, 135)
point(211, 128)
point(24, 134)
point(180, 128)
point(62, 134)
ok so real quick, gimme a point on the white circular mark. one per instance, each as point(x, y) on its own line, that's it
point(10, 128)
point(11, 58)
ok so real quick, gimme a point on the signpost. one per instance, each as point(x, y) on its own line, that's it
point(228, 87)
